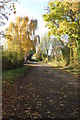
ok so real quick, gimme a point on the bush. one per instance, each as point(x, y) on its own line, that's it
point(37, 57)
point(11, 59)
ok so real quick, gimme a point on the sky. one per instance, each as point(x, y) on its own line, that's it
point(33, 9)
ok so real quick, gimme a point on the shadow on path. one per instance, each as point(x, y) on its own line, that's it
point(43, 92)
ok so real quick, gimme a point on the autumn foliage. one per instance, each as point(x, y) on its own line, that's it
point(63, 18)
point(20, 39)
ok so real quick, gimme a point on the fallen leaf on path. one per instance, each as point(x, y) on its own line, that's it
point(50, 100)
point(26, 111)
point(48, 112)
point(61, 105)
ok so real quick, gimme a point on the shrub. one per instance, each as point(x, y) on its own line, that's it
point(11, 59)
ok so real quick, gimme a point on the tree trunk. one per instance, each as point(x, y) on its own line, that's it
point(47, 54)
point(25, 57)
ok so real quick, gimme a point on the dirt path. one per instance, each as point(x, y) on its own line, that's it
point(44, 92)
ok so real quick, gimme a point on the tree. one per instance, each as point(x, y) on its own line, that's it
point(33, 26)
point(6, 8)
point(19, 33)
point(55, 48)
point(63, 18)
point(44, 45)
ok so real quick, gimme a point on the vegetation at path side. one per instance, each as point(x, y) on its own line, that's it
point(62, 42)
point(11, 75)
point(60, 45)
point(19, 42)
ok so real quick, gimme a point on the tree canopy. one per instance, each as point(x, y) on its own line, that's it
point(64, 18)
point(19, 40)
point(6, 8)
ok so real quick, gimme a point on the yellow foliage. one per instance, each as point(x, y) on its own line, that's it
point(18, 34)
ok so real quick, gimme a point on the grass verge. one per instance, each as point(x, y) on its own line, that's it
point(11, 75)
point(62, 65)
point(72, 69)
point(57, 63)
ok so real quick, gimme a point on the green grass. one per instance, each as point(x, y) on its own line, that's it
point(11, 75)
point(73, 69)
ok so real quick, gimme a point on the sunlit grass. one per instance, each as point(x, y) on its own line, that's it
point(62, 64)
point(57, 63)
